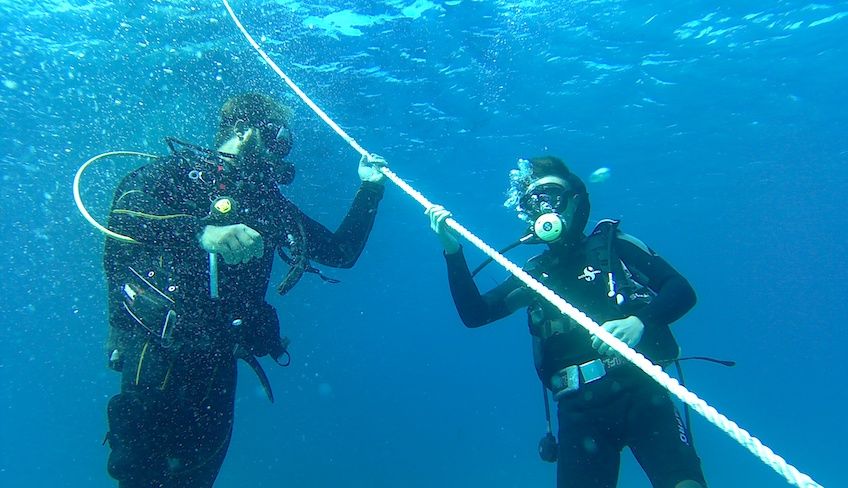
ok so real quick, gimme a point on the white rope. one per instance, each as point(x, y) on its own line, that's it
point(315, 108)
point(790, 473)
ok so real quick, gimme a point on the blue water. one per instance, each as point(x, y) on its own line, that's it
point(723, 124)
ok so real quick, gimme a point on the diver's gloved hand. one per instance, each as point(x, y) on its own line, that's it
point(235, 243)
point(438, 214)
point(628, 330)
point(369, 168)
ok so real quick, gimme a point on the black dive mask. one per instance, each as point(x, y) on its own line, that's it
point(544, 197)
point(545, 203)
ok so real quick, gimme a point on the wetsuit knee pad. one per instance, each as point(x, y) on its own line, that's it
point(134, 433)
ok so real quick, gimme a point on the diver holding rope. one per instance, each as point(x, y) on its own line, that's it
point(179, 321)
point(604, 402)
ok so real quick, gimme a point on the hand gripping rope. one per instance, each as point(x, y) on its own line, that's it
point(792, 475)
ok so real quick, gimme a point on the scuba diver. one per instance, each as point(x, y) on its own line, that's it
point(179, 318)
point(604, 402)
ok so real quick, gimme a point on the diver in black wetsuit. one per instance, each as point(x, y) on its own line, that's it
point(604, 402)
point(180, 320)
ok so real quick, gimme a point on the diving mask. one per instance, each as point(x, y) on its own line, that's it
point(545, 195)
point(530, 196)
point(542, 203)
point(555, 206)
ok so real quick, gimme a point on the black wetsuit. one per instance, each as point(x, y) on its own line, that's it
point(170, 426)
point(624, 407)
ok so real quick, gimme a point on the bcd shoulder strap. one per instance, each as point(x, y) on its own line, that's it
point(599, 244)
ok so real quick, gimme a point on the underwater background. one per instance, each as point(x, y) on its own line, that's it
point(723, 125)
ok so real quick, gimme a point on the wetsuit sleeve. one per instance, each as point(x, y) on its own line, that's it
point(674, 295)
point(475, 309)
point(144, 208)
point(342, 248)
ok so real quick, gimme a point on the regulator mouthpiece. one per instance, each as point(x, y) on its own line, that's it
point(548, 227)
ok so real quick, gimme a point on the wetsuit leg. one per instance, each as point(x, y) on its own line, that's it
point(589, 444)
point(658, 438)
point(200, 445)
point(138, 417)
point(170, 426)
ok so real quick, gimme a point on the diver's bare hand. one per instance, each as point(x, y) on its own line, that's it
point(235, 243)
point(369, 168)
point(628, 330)
point(438, 214)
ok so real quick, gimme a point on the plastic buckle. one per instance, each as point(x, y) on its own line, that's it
point(592, 370)
point(565, 381)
